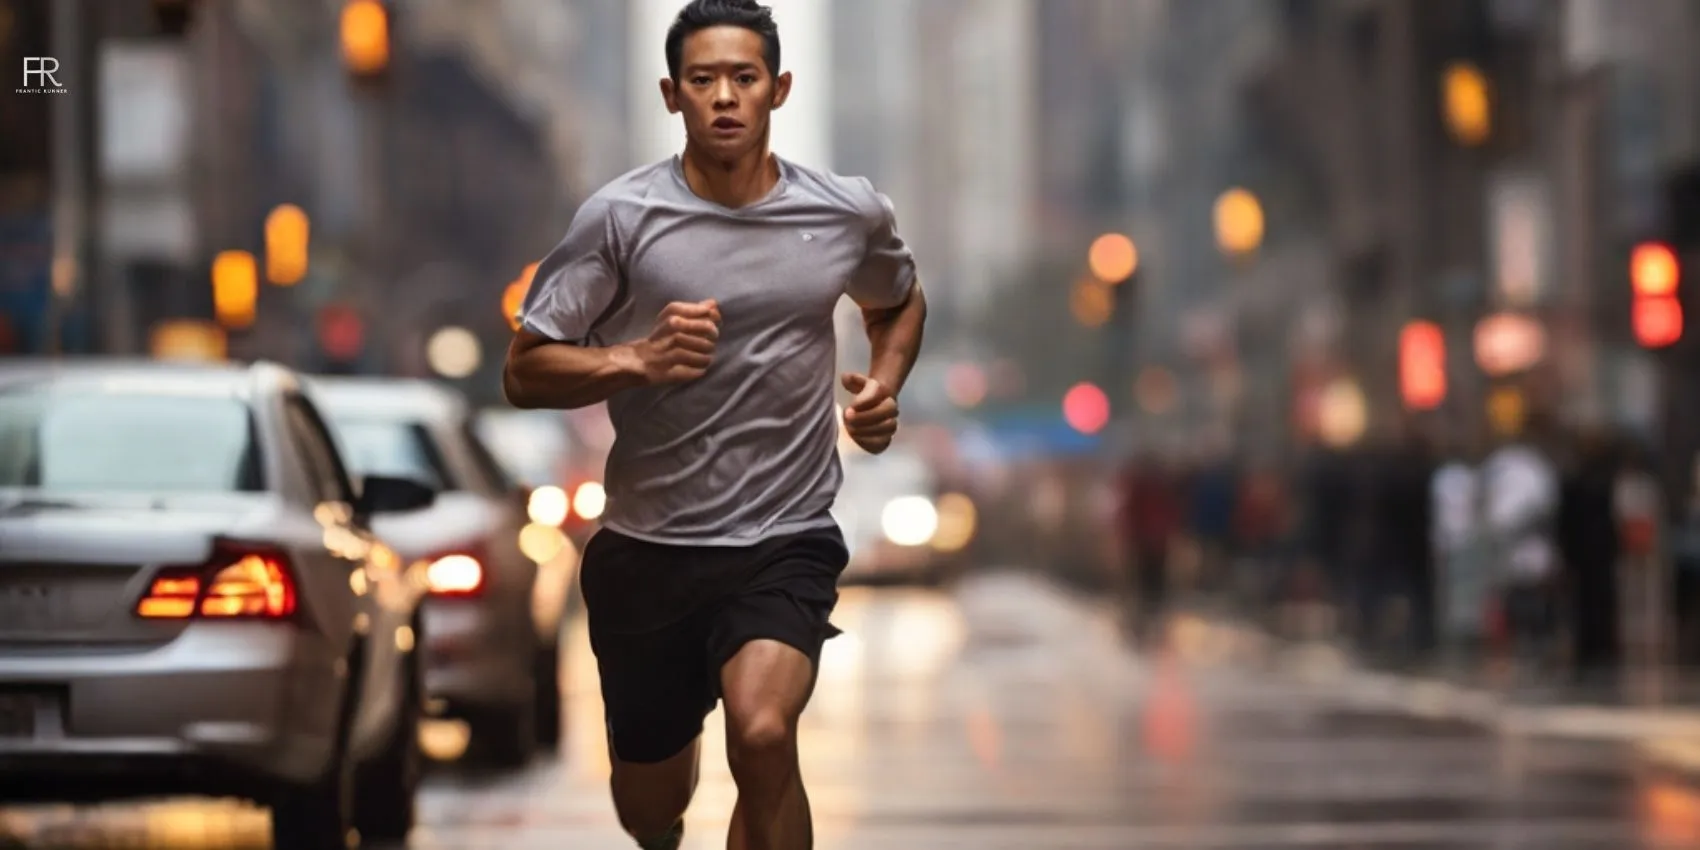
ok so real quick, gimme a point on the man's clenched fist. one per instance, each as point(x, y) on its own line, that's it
point(681, 346)
point(871, 418)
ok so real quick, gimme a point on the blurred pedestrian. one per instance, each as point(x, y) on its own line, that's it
point(1588, 540)
point(1463, 577)
point(1404, 541)
point(1521, 492)
point(696, 296)
point(1152, 517)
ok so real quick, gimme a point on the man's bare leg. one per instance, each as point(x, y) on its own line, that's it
point(765, 688)
point(651, 799)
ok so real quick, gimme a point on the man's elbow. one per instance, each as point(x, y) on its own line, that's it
point(515, 391)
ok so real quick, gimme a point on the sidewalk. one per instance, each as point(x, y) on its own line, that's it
point(1654, 712)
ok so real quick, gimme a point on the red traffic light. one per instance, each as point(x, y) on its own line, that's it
point(1657, 321)
point(1422, 365)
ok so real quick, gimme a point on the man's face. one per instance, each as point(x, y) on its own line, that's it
point(725, 91)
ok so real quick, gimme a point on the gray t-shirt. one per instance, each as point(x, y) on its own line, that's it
point(748, 451)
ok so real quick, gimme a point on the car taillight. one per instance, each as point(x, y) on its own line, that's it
point(459, 573)
point(241, 582)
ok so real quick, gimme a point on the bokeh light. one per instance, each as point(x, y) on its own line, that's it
point(1342, 414)
point(548, 505)
point(965, 384)
point(957, 520)
point(1086, 408)
point(909, 520)
point(454, 352)
point(1467, 103)
point(1091, 303)
point(541, 543)
point(1239, 221)
point(1113, 258)
point(590, 500)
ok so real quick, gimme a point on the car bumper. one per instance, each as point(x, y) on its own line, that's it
point(221, 701)
point(473, 659)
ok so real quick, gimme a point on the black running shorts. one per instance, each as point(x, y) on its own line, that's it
point(665, 619)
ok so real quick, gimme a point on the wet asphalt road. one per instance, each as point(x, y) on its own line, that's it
point(1008, 716)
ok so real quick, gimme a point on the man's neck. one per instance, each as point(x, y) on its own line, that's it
point(731, 184)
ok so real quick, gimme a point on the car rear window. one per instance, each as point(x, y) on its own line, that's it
point(92, 440)
point(393, 449)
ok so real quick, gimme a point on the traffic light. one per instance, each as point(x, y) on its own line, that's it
point(236, 288)
point(1422, 365)
point(1467, 103)
point(286, 245)
point(365, 38)
point(1655, 275)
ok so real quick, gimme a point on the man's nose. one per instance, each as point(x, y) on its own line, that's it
point(724, 94)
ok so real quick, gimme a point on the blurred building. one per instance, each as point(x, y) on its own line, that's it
point(26, 156)
point(428, 186)
point(1485, 166)
point(934, 101)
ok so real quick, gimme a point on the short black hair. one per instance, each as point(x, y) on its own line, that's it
point(700, 15)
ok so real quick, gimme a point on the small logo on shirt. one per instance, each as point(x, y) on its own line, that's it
point(808, 237)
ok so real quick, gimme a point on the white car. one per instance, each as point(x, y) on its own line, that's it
point(191, 601)
point(887, 512)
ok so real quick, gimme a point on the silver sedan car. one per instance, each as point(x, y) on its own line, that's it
point(491, 654)
point(191, 601)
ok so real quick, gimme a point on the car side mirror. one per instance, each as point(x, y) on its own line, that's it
point(381, 494)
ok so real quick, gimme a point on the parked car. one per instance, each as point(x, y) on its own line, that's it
point(192, 601)
point(489, 660)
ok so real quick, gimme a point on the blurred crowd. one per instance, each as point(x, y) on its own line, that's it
point(1555, 549)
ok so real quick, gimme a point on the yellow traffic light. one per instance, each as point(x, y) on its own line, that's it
point(1239, 222)
point(236, 288)
point(286, 245)
point(365, 36)
point(1467, 103)
point(1654, 270)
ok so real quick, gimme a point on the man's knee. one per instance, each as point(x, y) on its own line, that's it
point(761, 733)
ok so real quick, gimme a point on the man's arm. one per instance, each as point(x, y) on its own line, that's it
point(544, 373)
point(894, 339)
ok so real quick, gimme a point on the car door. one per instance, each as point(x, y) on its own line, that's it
point(374, 583)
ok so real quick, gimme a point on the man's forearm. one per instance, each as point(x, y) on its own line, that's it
point(894, 340)
point(564, 377)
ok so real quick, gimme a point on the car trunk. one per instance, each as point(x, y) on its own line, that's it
point(73, 569)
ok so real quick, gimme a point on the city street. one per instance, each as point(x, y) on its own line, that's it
point(1006, 714)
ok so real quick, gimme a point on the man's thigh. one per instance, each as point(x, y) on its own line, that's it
point(655, 690)
point(787, 606)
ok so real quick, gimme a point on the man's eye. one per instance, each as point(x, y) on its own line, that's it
point(747, 79)
point(700, 81)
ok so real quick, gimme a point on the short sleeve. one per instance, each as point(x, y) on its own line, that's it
point(886, 274)
point(579, 280)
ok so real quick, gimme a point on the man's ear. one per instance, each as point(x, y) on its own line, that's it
point(670, 95)
point(781, 89)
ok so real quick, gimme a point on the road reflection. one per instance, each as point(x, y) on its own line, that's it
point(1007, 715)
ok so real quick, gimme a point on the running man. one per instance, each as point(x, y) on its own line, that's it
point(696, 297)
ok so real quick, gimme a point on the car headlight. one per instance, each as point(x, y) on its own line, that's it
point(910, 520)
